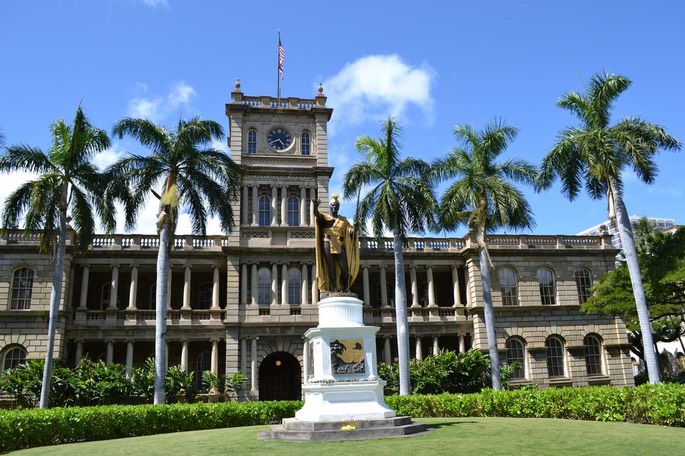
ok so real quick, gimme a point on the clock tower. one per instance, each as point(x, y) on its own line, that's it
point(281, 144)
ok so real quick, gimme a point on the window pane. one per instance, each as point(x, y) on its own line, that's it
point(515, 352)
point(294, 286)
point(305, 144)
point(555, 357)
point(205, 292)
point(507, 280)
point(252, 142)
point(546, 282)
point(14, 357)
point(293, 211)
point(583, 284)
point(264, 211)
point(593, 355)
point(264, 286)
point(22, 288)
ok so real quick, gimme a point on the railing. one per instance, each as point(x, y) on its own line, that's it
point(175, 316)
point(271, 102)
point(141, 241)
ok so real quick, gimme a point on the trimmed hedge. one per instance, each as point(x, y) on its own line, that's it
point(662, 404)
point(31, 428)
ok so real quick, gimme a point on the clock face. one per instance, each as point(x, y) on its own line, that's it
point(279, 139)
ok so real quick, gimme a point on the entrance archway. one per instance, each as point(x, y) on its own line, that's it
point(280, 378)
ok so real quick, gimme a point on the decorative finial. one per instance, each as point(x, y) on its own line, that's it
point(237, 85)
point(320, 89)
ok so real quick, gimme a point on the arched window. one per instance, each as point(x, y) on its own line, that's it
point(264, 210)
point(293, 211)
point(294, 286)
point(264, 287)
point(555, 357)
point(583, 284)
point(508, 287)
point(547, 288)
point(204, 295)
point(252, 141)
point(516, 353)
point(593, 354)
point(22, 288)
point(305, 143)
point(13, 357)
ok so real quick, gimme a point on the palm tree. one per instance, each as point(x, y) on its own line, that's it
point(67, 190)
point(484, 198)
point(597, 153)
point(193, 176)
point(401, 200)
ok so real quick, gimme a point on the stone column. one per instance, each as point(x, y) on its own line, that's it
point(129, 358)
point(215, 357)
point(384, 287)
point(184, 355)
point(253, 286)
point(303, 206)
point(83, 301)
point(133, 289)
point(304, 299)
point(431, 286)
point(419, 349)
point(312, 197)
point(387, 352)
point(274, 206)
point(186, 287)
point(414, 286)
point(284, 284)
point(462, 343)
point(243, 357)
point(243, 205)
point(365, 282)
point(255, 205)
point(79, 351)
point(115, 287)
point(284, 206)
point(243, 284)
point(215, 289)
point(315, 286)
point(274, 283)
point(455, 284)
point(109, 357)
point(436, 346)
point(253, 367)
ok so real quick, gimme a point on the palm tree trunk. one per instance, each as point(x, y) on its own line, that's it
point(489, 310)
point(55, 295)
point(401, 315)
point(160, 309)
point(625, 233)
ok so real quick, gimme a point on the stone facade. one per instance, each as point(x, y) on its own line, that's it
point(244, 301)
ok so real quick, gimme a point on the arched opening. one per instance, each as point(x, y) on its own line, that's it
point(280, 378)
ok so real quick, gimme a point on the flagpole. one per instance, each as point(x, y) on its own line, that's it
point(278, 68)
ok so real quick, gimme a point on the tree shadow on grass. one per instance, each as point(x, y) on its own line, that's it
point(447, 424)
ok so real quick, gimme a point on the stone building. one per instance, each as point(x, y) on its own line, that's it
point(243, 301)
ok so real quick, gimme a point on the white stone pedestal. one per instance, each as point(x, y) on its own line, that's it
point(343, 383)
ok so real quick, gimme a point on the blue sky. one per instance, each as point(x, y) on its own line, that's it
point(432, 64)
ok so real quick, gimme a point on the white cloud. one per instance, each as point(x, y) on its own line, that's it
point(155, 3)
point(665, 191)
point(11, 182)
point(105, 158)
point(376, 86)
point(158, 108)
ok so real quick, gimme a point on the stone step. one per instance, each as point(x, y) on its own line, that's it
point(303, 431)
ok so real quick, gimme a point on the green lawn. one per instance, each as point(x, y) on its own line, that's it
point(464, 436)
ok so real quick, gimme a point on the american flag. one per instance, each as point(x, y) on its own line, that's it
point(281, 57)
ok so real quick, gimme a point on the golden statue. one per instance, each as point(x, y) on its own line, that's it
point(337, 249)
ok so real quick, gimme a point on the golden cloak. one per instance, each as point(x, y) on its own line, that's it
point(343, 236)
